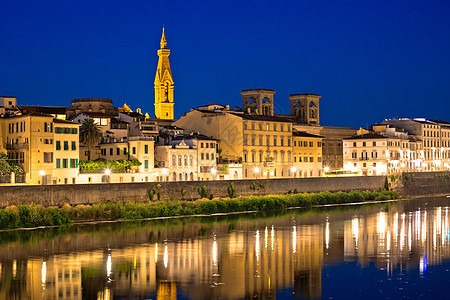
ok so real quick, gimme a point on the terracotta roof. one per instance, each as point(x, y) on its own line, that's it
point(286, 119)
point(304, 134)
point(367, 136)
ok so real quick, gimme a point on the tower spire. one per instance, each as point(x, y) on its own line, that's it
point(163, 40)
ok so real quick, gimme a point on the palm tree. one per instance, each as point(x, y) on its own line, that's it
point(90, 135)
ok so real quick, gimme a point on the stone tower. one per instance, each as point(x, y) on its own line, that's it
point(305, 108)
point(258, 101)
point(164, 84)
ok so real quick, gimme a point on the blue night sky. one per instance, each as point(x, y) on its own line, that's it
point(369, 60)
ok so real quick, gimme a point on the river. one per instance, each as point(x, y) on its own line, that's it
point(378, 251)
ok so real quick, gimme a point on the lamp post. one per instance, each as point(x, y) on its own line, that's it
point(107, 173)
point(213, 172)
point(294, 171)
point(256, 171)
point(42, 173)
point(164, 173)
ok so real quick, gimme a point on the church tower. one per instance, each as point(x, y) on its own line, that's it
point(164, 84)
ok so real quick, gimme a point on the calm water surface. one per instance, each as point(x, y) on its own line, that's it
point(381, 251)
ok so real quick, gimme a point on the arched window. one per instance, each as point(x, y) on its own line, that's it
point(180, 176)
point(179, 161)
point(261, 153)
point(174, 160)
point(289, 156)
point(275, 156)
point(191, 163)
point(282, 157)
point(185, 160)
point(253, 155)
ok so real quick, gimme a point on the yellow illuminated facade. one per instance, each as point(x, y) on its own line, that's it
point(164, 84)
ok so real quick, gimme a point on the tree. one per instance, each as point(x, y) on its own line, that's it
point(90, 135)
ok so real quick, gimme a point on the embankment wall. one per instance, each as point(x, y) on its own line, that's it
point(58, 195)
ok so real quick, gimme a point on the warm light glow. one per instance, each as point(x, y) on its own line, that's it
point(164, 171)
point(355, 230)
point(256, 170)
point(166, 256)
point(213, 171)
point(326, 169)
point(294, 239)
point(257, 245)
point(272, 235)
point(293, 169)
point(215, 252)
point(107, 171)
point(156, 252)
point(108, 266)
point(266, 235)
point(44, 273)
point(42, 172)
point(327, 235)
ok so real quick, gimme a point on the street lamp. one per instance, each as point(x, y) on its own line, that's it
point(256, 171)
point(213, 172)
point(294, 170)
point(164, 172)
point(107, 173)
point(42, 173)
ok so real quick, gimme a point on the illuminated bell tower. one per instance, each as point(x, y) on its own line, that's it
point(164, 83)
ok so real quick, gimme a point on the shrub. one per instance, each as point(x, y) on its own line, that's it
point(202, 191)
point(355, 196)
point(207, 207)
point(151, 194)
point(232, 190)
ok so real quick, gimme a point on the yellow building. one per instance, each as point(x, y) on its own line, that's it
point(307, 155)
point(30, 140)
point(66, 151)
point(164, 84)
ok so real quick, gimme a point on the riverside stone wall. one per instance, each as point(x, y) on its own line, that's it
point(58, 195)
point(426, 183)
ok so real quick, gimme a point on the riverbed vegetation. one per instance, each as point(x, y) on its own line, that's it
point(35, 215)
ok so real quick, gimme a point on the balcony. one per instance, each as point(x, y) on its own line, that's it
point(269, 164)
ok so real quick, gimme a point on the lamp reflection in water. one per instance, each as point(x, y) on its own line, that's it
point(257, 245)
point(166, 256)
point(327, 234)
point(355, 230)
point(272, 235)
point(44, 274)
point(266, 236)
point(294, 239)
point(156, 252)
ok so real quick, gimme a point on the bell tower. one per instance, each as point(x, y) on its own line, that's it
point(164, 84)
point(305, 108)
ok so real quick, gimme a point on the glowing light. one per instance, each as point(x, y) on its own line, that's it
point(255, 170)
point(108, 266)
point(326, 169)
point(355, 230)
point(107, 172)
point(257, 250)
point(42, 172)
point(327, 235)
point(272, 235)
point(215, 252)
point(164, 171)
point(424, 227)
point(294, 239)
point(44, 273)
point(293, 169)
point(266, 237)
point(14, 268)
point(166, 256)
point(213, 171)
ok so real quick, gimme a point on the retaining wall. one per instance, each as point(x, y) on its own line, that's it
point(57, 195)
point(426, 183)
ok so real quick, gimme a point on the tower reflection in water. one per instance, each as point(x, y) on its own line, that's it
point(224, 260)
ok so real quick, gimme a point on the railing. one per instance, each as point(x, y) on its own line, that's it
point(17, 146)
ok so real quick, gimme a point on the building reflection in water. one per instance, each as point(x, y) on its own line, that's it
point(253, 259)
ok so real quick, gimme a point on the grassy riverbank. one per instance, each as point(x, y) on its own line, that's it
point(34, 215)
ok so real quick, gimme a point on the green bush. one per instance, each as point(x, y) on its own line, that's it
point(232, 190)
point(202, 191)
point(207, 207)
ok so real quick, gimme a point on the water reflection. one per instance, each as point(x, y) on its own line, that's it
point(225, 258)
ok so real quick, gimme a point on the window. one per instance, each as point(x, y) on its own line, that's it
point(185, 160)
point(319, 144)
point(58, 163)
point(274, 140)
point(354, 144)
point(207, 156)
point(260, 140)
point(245, 156)
point(65, 165)
point(281, 127)
point(110, 151)
point(202, 156)
point(201, 145)
point(190, 160)
point(267, 140)
point(274, 127)
point(289, 141)
point(125, 151)
point(311, 159)
point(207, 145)
point(374, 144)
point(134, 150)
point(212, 155)
point(245, 127)
point(146, 164)
point(289, 128)
point(282, 141)
point(73, 163)
point(58, 145)
point(74, 145)
point(364, 144)
point(260, 126)
point(211, 145)
point(117, 151)
point(174, 160)
point(253, 140)
point(253, 126)
point(48, 127)
point(245, 140)
point(311, 144)
point(66, 145)
point(146, 149)
point(179, 160)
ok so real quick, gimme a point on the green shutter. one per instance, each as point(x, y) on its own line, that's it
point(58, 163)
point(74, 146)
point(146, 163)
point(58, 145)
